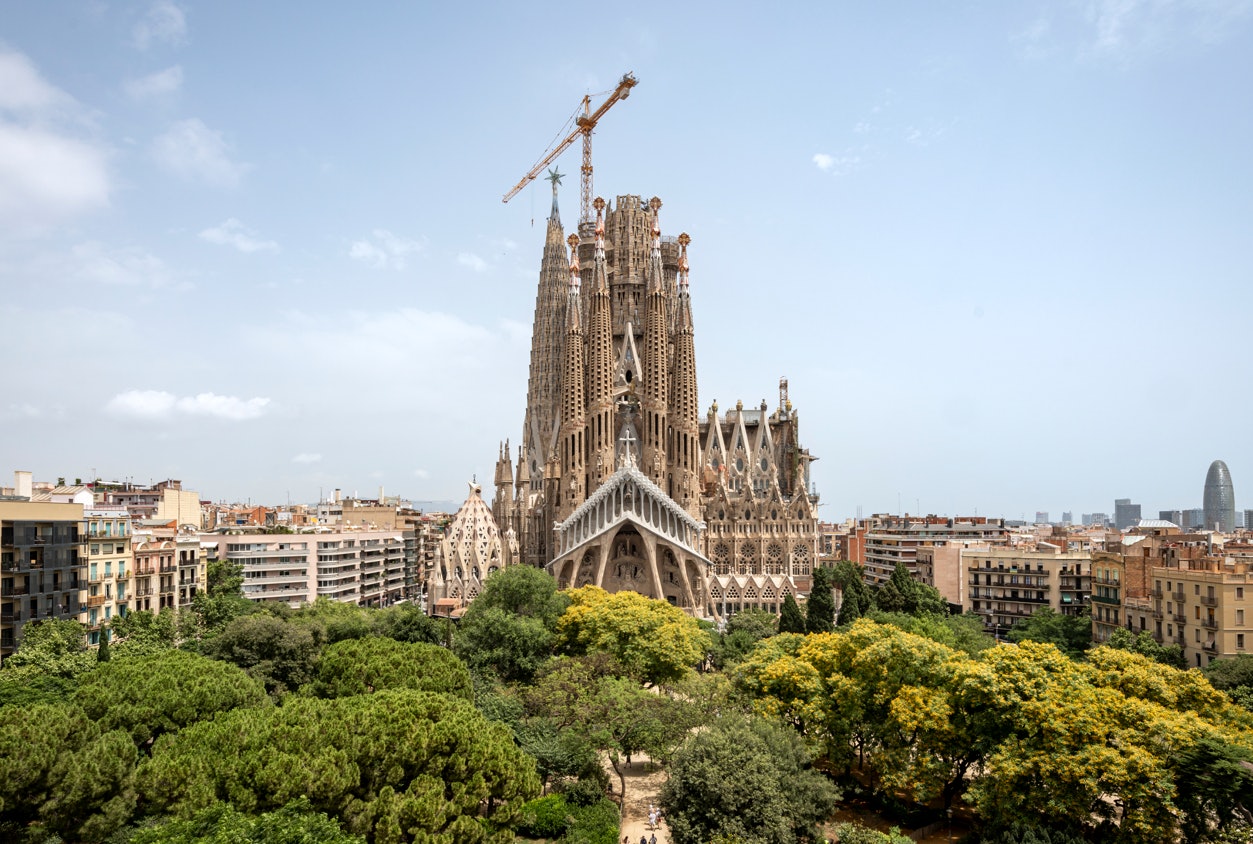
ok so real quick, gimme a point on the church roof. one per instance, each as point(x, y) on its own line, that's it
point(582, 526)
point(472, 536)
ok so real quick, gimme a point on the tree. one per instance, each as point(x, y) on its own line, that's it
point(850, 609)
point(222, 823)
point(511, 646)
point(743, 631)
point(1144, 644)
point(222, 600)
point(408, 623)
point(745, 779)
point(855, 833)
point(281, 654)
point(589, 697)
point(791, 619)
point(58, 770)
point(1072, 634)
point(142, 632)
point(851, 580)
point(960, 632)
point(394, 766)
point(655, 641)
point(1233, 675)
point(153, 694)
point(524, 591)
point(366, 666)
point(820, 608)
point(1215, 787)
point(54, 646)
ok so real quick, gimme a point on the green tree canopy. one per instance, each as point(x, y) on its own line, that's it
point(142, 632)
point(1072, 634)
point(150, 695)
point(221, 823)
point(222, 601)
point(408, 623)
point(366, 666)
point(54, 646)
point(1144, 644)
point(278, 652)
point(745, 780)
point(820, 608)
point(511, 646)
point(791, 619)
point(523, 591)
point(654, 640)
point(394, 766)
point(60, 771)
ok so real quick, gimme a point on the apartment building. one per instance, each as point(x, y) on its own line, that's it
point(1006, 585)
point(41, 563)
point(896, 539)
point(110, 566)
point(366, 567)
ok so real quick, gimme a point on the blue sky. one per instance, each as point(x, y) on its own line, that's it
point(1001, 251)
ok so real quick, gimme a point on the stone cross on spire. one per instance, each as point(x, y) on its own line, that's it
point(628, 454)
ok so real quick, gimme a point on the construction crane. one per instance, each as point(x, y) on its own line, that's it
point(583, 124)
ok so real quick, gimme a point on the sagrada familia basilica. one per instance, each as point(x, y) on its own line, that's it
point(620, 481)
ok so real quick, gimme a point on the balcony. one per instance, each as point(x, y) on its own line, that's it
point(14, 591)
point(1209, 600)
point(1211, 646)
point(1180, 618)
point(1210, 623)
point(1156, 593)
point(96, 600)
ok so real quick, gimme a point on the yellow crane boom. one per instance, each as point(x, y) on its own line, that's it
point(583, 125)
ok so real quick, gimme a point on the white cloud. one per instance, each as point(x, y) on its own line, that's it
point(223, 407)
point(306, 458)
point(22, 89)
point(474, 262)
point(862, 127)
point(383, 249)
point(163, 23)
point(837, 165)
point(46, 174)
point(130, 266)
point(1121, 28)
point(142, 404)
point(234, 233)
point(421, 473)
point(192, 150)
point(158, 405)
point(157, 84)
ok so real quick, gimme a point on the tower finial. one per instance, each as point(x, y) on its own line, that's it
point(684, 240)
point(575, 278)
point(554, 176)
point(655, 205)
point(599, 205)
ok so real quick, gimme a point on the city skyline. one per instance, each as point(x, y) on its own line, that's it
point(961, 235)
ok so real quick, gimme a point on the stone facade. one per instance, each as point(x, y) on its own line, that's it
point(612, 392)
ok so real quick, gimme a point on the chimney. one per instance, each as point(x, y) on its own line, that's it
point(337, 495)
point(22, 482)
point(380, 494)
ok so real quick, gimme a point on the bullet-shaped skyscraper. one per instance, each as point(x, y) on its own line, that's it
point(1220, 498)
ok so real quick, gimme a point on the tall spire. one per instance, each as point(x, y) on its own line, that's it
point(600, 362)
point(656, 391)
point(554, 176)
point(573, 486)
point(684, 407)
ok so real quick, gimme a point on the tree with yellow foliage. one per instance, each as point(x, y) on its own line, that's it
point(655, 641)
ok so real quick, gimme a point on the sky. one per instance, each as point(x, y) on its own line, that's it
point(1001, 251)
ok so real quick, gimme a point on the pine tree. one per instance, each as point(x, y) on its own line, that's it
point(820, 610)
point(850, 607)
point(102, 653)
point(791, 620)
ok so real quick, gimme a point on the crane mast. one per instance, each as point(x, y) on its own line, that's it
point(583, 125)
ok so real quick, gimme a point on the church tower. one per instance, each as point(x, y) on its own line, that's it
point(684, 434)
point(572, 488)
point(620, 481)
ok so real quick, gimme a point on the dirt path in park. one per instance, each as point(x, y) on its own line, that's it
point(643, 788)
